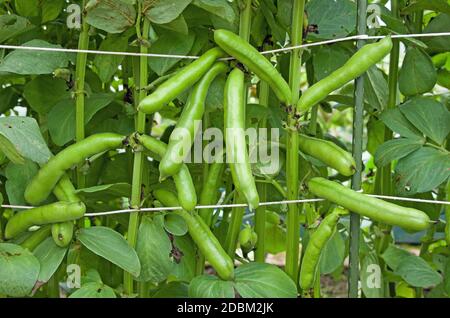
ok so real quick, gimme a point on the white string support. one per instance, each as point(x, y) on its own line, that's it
point(192, 57)
point(235, 205)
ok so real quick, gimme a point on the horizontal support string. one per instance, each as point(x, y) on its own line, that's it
point(236, 205)
point(192, 57)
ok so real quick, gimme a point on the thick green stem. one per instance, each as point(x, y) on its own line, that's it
point(292, 160)
point(136, 185)
point(358, 126)
point(80, 73)
point(237, 214)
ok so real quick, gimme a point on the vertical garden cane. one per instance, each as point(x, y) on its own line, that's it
point(358, 126)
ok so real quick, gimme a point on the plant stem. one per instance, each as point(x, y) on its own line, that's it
point(292, 160)
point(80, 73)
point(238, 213)
point(276, 185)
point(136, 185)
point(358, 126)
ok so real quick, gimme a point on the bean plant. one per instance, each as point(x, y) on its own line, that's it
point(223, 149)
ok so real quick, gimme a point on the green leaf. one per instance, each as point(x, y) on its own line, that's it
point(375, 134)
point(28, 8)
point(110, 245)
point(327, 59)
point(19, 270)
point(153, 248)
point(165, 11)
point(333, 254)
point(434, 5)
point(395, 149)
point(8, 99)
point(376, 88)
point(169, 43)
point(50, 9)
point(12, 25)
point(175, 224)
point(206, 286)
point(50, 256)
point(393, 256)
point(107, 65)
point(394, 119)
point(417, 74)
point(422, 171)
point(439, 24)
point(259, 280)
point(178, 25)
point(18, 176)
point(219, 8)
point(429, 116)
point(112, 16)
point(371, 277)
point(44, 91)
point(277, 30)
point(447, 276)
point(28, 62)
point(25, 135)
point(94, 290)
point(416, 272)
point(61, 118)
point(334, 19)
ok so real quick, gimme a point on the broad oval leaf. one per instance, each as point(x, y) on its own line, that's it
point(164, 11)
point(207, 286)
point(19, 270)
point(422, 171)
point(30, 62)
point(395, 149)
point(153, 248)
point(417, 74)
point(258, 280)
point(112, 16)
point(112, 246)
point(429, 116)
point(18, 176)
point(50, 256)
point(25, 135)
point(417, 272)
point(333, 254)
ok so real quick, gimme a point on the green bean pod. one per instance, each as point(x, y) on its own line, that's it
point(36, 238)
point(201, 234)
point(186, 128)
point(64, 190)
point(255, 61)
point(51, 213)
point(329, 153)
point(358, 64)
point(236, 146)
point(316, 245)
point(373, 208)
point(183, 180)
point(48, 176)
point(178, 83)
